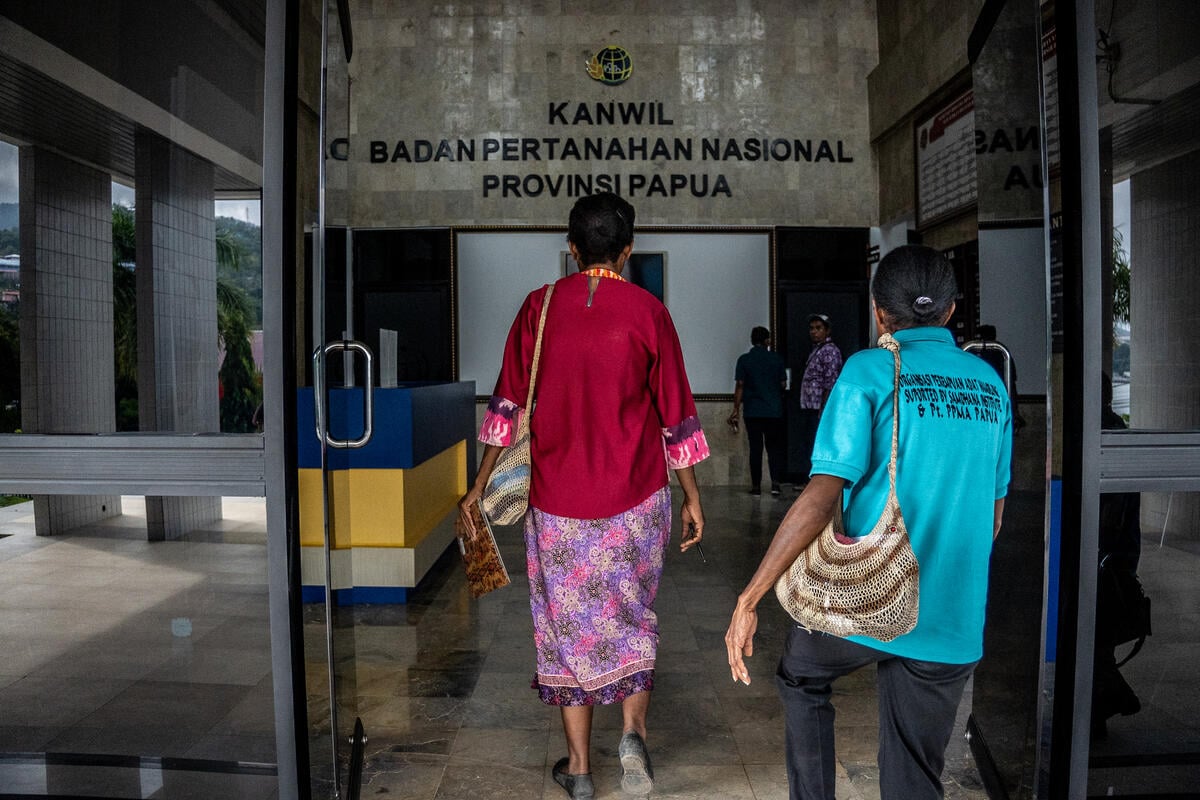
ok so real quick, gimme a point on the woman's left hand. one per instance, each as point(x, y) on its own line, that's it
point(692, 517)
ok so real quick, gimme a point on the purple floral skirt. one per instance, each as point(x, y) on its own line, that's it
point(592, 584)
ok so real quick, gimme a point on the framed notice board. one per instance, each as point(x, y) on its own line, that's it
point(944, 145)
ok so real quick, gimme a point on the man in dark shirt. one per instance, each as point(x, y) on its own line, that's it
point(761, 378)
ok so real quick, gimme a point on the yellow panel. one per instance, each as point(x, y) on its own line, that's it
point(311, 513)
point(432, 490)
point(378, 498)
point(383, 507)
point(342, 510)
point(397, 508)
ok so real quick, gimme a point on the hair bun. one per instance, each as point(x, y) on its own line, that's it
point(922, 304)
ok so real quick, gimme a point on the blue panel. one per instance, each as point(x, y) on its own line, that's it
point(312, 594)
point(412, 423)
point(358, 595)
point(447, 415)
point(1055, 560)
point(308, 447)
point(372, 595)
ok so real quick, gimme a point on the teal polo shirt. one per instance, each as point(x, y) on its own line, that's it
point(953, 464)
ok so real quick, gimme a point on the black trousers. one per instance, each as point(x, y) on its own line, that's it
point(772, 432)
point(808, 420)
point(918, 701)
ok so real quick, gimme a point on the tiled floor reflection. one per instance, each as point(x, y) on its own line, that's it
point(117, 650)
point(442, 686)
point(1155, 751)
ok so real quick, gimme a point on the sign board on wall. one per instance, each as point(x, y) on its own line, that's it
point(488, 118)
point(945, 157)
point(1050, 82)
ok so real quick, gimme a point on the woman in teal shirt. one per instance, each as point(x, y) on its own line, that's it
point(955, 446)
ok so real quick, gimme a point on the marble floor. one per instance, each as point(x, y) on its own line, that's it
point(442, 686)
point(134, 669)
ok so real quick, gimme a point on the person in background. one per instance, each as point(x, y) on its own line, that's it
point(614, 413)
point(760, 379)
point(1120, 537)
point(820, 373)
point(951, 481)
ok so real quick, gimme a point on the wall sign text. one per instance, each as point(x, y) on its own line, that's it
point(680, 152)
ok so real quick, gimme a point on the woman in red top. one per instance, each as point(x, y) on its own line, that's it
point(614, 412)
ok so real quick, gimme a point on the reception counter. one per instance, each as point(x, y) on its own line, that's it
point(391, 502)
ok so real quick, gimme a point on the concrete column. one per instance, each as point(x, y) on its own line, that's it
point(177, 313)
point(67, 383)
point(1164, 379)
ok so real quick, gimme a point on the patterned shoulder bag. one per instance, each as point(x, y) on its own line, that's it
point(506, 496)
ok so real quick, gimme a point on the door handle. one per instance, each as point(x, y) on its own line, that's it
point(319, 395)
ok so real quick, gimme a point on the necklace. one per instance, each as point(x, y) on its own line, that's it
point(598, 272)
point(602, 272)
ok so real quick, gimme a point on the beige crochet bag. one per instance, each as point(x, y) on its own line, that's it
point(869, 586)
point(506, 496)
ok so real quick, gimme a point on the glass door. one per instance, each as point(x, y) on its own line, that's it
point(1120, 720)
point(338, 399)
point(140, 604)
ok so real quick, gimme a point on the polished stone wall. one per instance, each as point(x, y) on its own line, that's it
point(472, 113)
point(922, 59)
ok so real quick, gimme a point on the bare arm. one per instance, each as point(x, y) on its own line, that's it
point(804, 520)
point(691, 516)
point(487, 463)
point(737, 403)
point(998, 515)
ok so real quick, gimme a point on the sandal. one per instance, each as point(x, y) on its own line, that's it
point(579, 787)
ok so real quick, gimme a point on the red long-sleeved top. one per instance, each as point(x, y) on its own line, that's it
point(614, 408)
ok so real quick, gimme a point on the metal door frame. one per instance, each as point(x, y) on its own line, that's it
point(1094, 462)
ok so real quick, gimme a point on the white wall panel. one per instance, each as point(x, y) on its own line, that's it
point(717, 289)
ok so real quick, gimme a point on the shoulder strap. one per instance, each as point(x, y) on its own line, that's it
point(886, 341)
point(537, 350)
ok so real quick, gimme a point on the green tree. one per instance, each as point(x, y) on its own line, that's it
point(10, 370)
point(247, 237)
point(1120, 277)
point(10, 241)
point(241, 389)
point(124, 239)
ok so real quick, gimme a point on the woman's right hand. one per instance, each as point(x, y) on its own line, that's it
point(487, 463)
point(464, 510)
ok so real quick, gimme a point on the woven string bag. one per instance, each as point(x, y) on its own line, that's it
point(506, 496)
point(858, 587)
